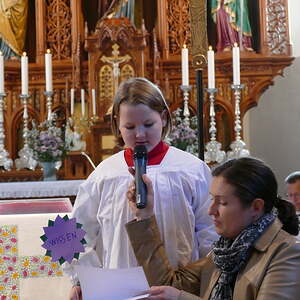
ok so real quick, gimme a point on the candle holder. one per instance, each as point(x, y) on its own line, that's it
point(213, 151)
point(94, 119)
point(238, 146)
point(186, 113)
point(88, 122)
point(49, 95)
point(5, 161)
point(25, 160)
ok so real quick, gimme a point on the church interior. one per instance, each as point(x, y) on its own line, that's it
point(93, 46)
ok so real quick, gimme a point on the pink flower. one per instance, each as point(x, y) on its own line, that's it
point(35, 259)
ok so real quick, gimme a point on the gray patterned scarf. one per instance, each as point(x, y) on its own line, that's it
point(230, 256)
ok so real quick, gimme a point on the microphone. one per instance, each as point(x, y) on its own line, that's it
point(140, 163)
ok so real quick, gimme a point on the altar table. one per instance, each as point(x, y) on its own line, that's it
point(39, 189)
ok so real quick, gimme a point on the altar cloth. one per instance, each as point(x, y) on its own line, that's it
point(39, 189)
point(25, 272)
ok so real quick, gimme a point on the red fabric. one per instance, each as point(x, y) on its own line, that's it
point(35, 207)
point(155, 156)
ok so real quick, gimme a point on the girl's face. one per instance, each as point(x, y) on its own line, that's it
point(226, 210)
point(140, 125)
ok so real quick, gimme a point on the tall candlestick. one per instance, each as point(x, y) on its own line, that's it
point(82, 103)
point(236, 64)
point(1, 73)
point(94, 101)
point(211, 68)
point(72, 101)
point(185, 65)
point(24, 74)
point(48, 66)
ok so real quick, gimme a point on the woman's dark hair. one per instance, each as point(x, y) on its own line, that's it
point(252, 179)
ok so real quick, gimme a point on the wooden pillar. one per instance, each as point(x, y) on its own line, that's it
point(77, 24)
point(162, 28)
point(40, 9)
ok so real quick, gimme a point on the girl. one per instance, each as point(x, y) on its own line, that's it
point(140, 116)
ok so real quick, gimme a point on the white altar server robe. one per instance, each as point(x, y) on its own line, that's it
point(181, 199)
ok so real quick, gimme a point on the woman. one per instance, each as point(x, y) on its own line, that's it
point(255, 258)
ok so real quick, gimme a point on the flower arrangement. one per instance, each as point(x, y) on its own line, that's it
point(47, 141)
point(184, 133)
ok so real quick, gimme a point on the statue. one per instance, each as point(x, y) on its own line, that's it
point(126, 11)
point(96, 10)
point(73, 138)
point(119, 9)
point(13, 21)
point(231, 17)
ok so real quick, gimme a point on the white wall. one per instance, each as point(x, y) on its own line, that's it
point(272, 129)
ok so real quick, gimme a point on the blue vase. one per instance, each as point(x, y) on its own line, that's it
point(49, 171)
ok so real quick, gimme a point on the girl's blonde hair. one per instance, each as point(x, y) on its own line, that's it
point(139, 90)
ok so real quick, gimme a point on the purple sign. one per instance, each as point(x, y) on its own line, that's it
point(63, 239)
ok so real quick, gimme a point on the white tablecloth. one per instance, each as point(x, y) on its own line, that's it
point(35, 189)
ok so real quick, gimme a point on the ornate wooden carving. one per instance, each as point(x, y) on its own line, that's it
point(277, 27)
point(178, 25)
point(59, 28)
point(131, 42)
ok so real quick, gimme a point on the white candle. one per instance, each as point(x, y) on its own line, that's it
point(1, 73)
point(94, 101)
point(82, 103)
point(48, 67)
point(236, 64)
point(185, 65)
point(211, 68)
point(72, 101)
point(24, 74)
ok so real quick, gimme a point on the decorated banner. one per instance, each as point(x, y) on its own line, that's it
point(63, 239)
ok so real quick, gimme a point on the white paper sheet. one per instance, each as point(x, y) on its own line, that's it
point(112, 284)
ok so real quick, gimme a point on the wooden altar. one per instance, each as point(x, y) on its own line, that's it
point(153, 49)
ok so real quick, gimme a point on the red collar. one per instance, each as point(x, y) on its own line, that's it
point(155, 156)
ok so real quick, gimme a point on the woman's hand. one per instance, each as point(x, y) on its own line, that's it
point(146, 212)
point(163, 293)
point(75, 293)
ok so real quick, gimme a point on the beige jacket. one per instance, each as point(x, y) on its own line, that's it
point(272, 272)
